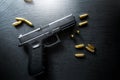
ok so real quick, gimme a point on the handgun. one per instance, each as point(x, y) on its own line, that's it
point(34, 41)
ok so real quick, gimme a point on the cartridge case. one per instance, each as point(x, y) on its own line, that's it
point(91, 46)
point(83, 16)
point(83, 23)
point(79, 55)
point(89, 49)
point(16, 23)
point(79, 46)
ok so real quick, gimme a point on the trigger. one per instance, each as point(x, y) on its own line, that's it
point(52, 40)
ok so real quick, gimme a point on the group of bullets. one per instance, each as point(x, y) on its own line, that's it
point(20, 20)
point(88, 47)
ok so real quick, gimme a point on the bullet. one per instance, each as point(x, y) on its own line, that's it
point(79, 46)
point(19, 19)
point(91, 46)
point(72, 35)
point(89, 49)
point(77, 31)
point(79, 55)
point(24, 20)
point(16, 23)
point(83, 23)
point(83, 16)
point(28, 22)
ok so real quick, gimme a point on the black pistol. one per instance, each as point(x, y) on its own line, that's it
point(34, 41)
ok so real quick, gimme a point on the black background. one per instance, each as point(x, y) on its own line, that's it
point(102, 31)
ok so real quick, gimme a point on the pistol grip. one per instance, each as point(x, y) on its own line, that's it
point(35, 64)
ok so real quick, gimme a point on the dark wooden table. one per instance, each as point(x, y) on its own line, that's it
point(102, 31)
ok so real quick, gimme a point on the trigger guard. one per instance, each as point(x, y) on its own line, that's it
point(50, 45)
